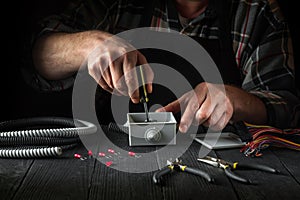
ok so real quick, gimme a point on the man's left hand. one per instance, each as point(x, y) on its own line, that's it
point(207, 104)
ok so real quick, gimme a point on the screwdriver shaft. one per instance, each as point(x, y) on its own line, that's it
point(144, 98)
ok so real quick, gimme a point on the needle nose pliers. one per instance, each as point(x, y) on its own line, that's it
point(229, 167)
point(177, 165)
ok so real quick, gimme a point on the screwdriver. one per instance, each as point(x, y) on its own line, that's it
point(143, 94)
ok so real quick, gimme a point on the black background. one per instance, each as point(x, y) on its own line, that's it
point(18, 20)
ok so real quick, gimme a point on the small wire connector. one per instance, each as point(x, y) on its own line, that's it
point(111, 151)
point(108, 163)
point(79, 156)
point(101, 154)
point(133, 154)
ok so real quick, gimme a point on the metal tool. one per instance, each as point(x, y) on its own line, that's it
point(229, 167)
point(143, 94)
point(179, 166)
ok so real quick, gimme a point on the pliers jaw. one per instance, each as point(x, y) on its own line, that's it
point(214, 162)
point(178, 166)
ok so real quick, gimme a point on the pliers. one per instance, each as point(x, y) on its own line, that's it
point(229, 167)
point(178, 166)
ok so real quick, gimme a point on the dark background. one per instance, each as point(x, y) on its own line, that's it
point(18, 100)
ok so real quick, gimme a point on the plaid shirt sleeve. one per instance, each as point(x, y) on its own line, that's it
point(261, 43)
point(264, 54)
point(78, 16)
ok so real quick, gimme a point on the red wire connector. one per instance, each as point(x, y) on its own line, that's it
point(76, 155)
point(101, 154)
point(108, 163)
point(111, 150)
point(130, 153)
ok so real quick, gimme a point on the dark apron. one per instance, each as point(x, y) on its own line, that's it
point(220, 51)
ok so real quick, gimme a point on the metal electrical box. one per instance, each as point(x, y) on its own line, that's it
point(160, 130)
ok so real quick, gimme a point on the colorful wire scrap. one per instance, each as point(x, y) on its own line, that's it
point(265, 136)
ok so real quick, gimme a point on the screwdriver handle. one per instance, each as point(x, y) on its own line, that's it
point(144, 95)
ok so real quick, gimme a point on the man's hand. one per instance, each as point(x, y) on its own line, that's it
point(207, 104)
point(214, 105)
point(113, 64)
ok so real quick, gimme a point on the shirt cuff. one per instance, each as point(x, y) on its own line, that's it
point(281, 108)
point(39, 83)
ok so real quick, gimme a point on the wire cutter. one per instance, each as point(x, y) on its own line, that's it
point(229, 167)
point(178, 166)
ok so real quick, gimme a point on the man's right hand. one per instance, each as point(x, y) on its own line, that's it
point(111, 60)
point(113, 66)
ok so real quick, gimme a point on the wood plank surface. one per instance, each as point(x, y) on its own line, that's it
point(128, 177)
point(109, 183)
point(12, 174)
point(182, 185)
point(267, 185)
point(57, 178)
point(291, 161)
point(69, 178)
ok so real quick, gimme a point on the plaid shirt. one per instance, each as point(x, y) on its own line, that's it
point(260, 38)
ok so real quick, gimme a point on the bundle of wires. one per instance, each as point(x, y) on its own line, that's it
point(41, 136)
point(265, 136)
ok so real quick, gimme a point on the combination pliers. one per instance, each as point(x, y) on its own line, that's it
point(177, 165)
point(230, 166)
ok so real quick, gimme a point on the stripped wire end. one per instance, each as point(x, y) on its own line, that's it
point(266, 136)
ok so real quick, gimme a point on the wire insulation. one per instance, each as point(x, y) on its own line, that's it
point(266, 136)
point(41, 137)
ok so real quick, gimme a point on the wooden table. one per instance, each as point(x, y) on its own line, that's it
point(66, 177)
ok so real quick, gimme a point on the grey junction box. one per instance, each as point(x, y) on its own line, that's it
point(160, 130)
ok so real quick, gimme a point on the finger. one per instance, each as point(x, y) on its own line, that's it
point(219, 125)
point(216, 115)
point(162, 109)
point(221, 117)
point(149, 75)
point(94, 71)
point(116, 70)
point(173, 107)
point(106, 75)
point(130, 74)
point(188, 114)
point(104, 85)
point(103, 69)
point(205, 111)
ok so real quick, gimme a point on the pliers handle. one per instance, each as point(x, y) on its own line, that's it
point(264, 168)
point(228, 170)
point(234, 176)
point(158, 174)
point(229, 167)
point(196, 172)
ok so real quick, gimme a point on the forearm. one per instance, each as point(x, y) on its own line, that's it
point(247, 107)
point(59, 55)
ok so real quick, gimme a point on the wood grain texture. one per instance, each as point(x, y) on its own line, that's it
point(12, 174)
point(267, 185)
point(182, 185)
point(69, 178)
point(58, 178)
point(291, 161)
